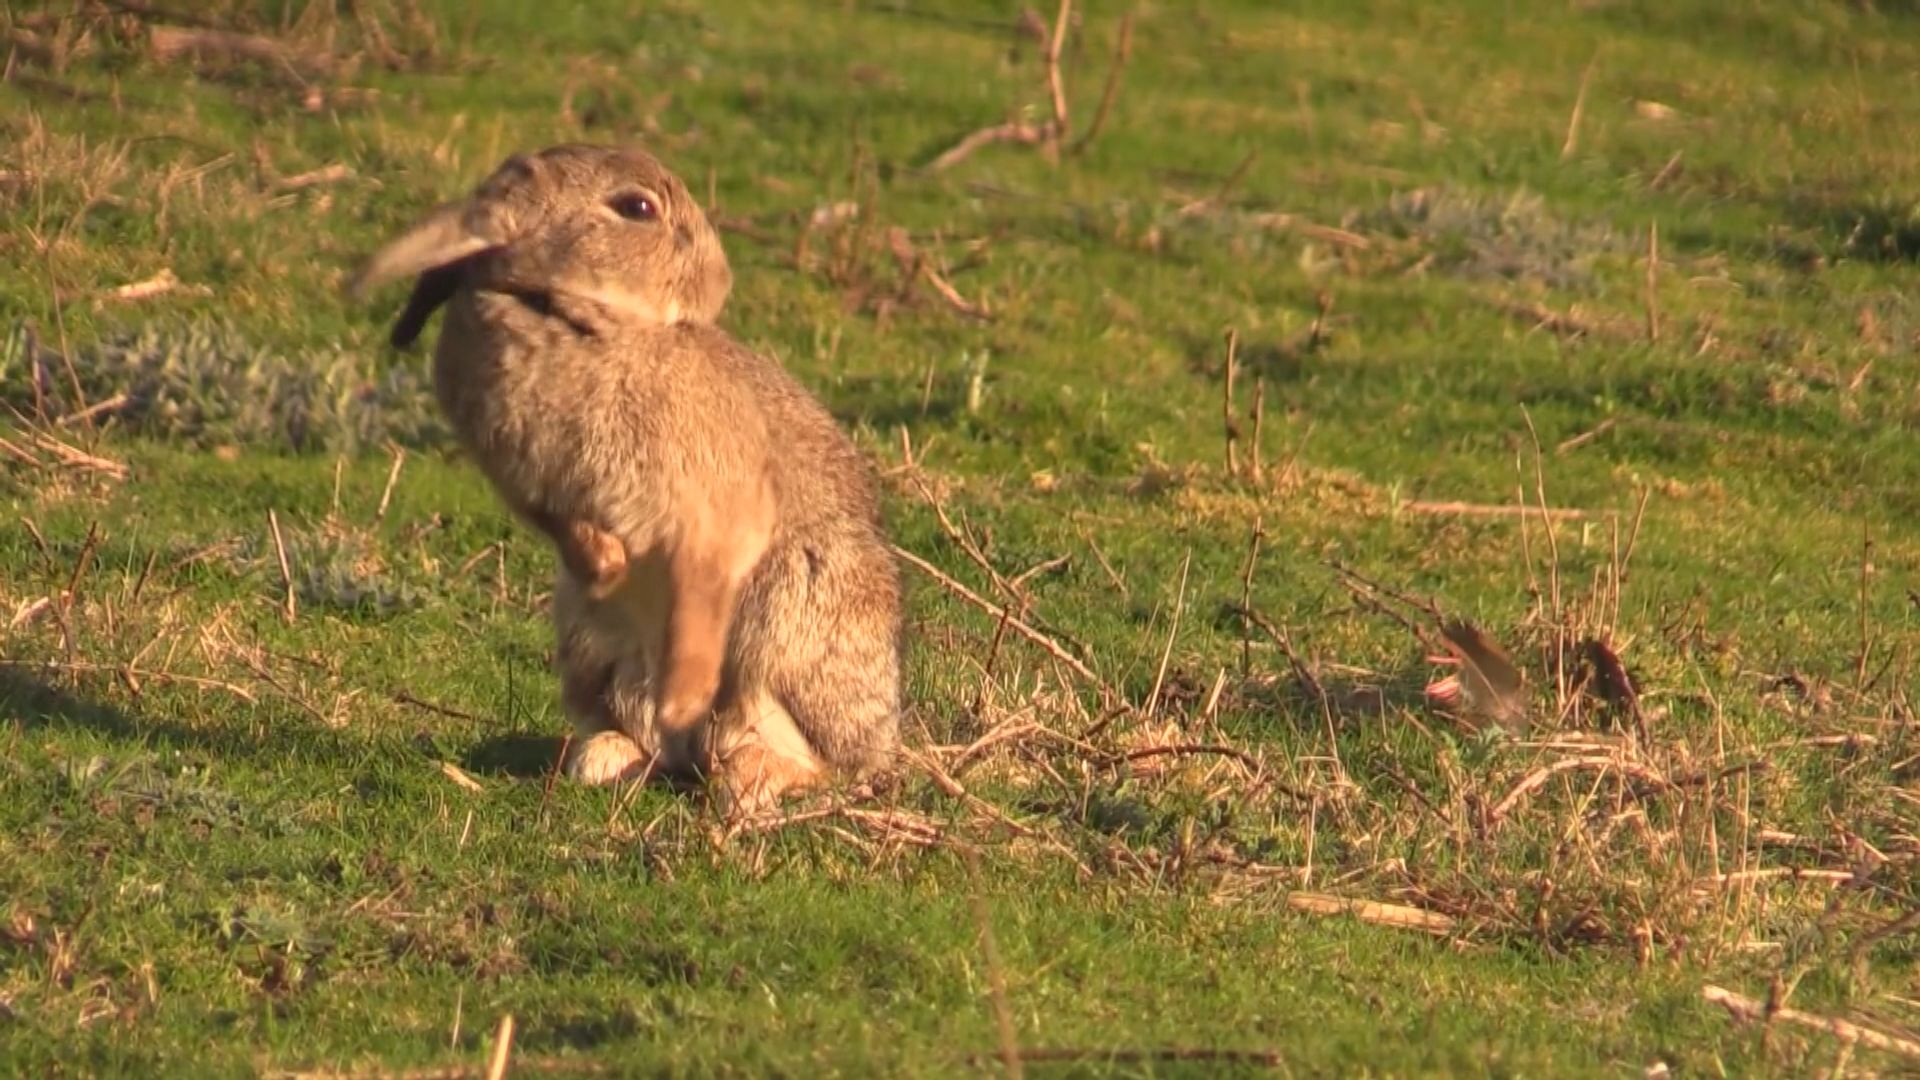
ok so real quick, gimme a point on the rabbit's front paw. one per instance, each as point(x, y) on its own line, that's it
point(605, 757)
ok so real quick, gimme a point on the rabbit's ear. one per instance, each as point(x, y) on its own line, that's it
point(430, 290)
point(440, 239)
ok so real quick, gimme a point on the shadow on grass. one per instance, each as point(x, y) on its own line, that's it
point(1881, 231)
point(37, 703)
point(518, 755)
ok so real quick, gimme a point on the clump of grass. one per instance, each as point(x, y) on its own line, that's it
point(1479, 235)
point(205, 384)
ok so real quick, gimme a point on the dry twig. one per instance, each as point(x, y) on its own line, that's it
point(1746, 1008)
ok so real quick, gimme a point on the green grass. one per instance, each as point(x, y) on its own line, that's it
point(227, 842)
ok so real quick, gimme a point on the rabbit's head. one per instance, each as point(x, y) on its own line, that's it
point(603, 223)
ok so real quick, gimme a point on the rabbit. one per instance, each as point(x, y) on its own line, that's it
point(727, 604)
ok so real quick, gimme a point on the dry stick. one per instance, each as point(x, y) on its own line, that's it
point(1579, 108)
point(74, 457)
point(1791, 873)
point(1229, 426)
point(1301, 671)
point(1121, 52)
point(1666, 172)
point(523, 1066)
point(993, 654)
point(1553, 565)
point(1746, 1008)
point(1219, 196)
point(965, 542)
point(406, 697)
point(1254, 467)
point(1029, 134)
point(1587, 436)
point(112, 404)
point(1112, 574)
point(1246, 594)
point(393, 477)
point(1467, 509)
point(1047, 566)
point(1198, 750)
point(1400, 916)
point(1323, 307)
point(21, 455)
point(1653, 281)
point(1866, 639)
point(1046, 644)
point(1372, 601)
point(502, 1046)
point(1132, 1057)
point(1901, 925)
point(996, 975)
point(1056, 86)
point(286, 571)
point(1008, 729)
point(1173, 631)
point(64, 605)
point(66, 349)
point(1388, 591)
point(1538, 778)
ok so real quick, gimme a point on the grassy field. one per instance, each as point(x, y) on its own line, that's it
point(1594, 324)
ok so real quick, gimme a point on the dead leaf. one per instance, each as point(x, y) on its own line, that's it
point(1611, 678)
point(1490, 685)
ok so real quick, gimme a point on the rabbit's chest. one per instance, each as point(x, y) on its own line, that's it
point(506, 392)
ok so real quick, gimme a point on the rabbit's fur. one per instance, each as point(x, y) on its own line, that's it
point(727, 602)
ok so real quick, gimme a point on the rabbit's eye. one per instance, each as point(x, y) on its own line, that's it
point(633, 206)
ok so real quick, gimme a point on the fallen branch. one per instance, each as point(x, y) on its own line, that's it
point(1046, 644)
point(1024, 134)
point(1791, 873)
point(158, 285)
point(1398, 916)
point(1191, 750)
point(1467, 509)
point(1746, 1008)
point(1132, 1057)
point(1313, 230)
point(66, 454)
point(1537, 779)
point(460, 776)
point(174, 42)
point(327, 174)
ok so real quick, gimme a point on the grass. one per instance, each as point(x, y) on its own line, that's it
point(241, 835)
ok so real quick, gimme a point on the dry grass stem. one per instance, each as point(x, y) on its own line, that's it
point(502, 1048)
point(1045, 643)
point(1572, 141)
point(393, 477)
point(290, 605)
point(1746, 1008)
point(1173, 632)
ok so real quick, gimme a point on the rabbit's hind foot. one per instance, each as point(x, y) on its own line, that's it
point(761, 760)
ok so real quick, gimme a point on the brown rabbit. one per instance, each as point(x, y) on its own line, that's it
point(728, 603)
